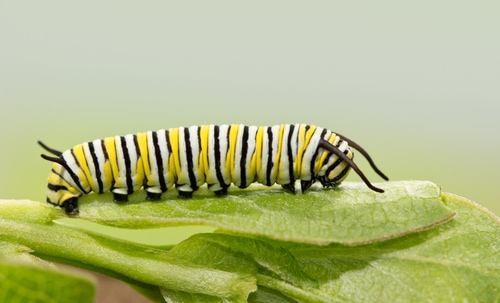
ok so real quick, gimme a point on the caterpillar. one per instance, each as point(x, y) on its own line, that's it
point(188, 157)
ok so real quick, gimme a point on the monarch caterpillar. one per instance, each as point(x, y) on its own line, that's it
point(188, 157)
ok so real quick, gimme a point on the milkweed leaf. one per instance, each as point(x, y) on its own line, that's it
point(384, 247)
point(350, 215)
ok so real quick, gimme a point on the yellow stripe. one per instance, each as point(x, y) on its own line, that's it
point(304, 140)
point(233, 139)
point(324, 154)
point(310, 133)
point(84, 172)
point(300, 148)
point(55, 179)
point(258, 149)
point(204, 139)
point(109, 143)
point(280, 146)
point(139, 168)
point(107, 176)
point(173, 134)
point(200, 163)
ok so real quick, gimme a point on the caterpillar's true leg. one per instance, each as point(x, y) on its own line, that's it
point(71, 206)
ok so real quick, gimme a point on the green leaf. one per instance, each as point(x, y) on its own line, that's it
point(242, 254)
point(454, 262)
point(391, 258)
point(351, 214)
point(266, 295)
point(174, 296)
point(22, 282)
point(136, 262)
point(25, 278)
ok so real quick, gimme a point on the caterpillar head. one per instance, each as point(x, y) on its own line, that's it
point(60, 191)
point(338, 170)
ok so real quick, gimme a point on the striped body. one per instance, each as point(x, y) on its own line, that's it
point(188, 157)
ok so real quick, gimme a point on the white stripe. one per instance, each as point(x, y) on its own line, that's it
point(305, 172)
point(236, 169)
point(224, 146)
point(183, 177)
point(251, 170)
point(198, 165)
point(283, 175)
point(294, 144)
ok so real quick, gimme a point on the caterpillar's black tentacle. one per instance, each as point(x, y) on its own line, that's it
point(326, 145)
point(63, 163)
point(49, 149)
point(55, 160)
point(365, 154)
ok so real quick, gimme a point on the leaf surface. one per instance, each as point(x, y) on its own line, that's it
point(351, 214)
point(25, 278)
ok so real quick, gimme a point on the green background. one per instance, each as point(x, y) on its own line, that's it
point(416, 83)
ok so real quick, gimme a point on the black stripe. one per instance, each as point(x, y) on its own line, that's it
point(159, 162)
point(305, 146)
point(341, 175)
point(98, 174)
point(53, 171)
point(58, 174)
point(56, 188)
point(327, 158)
point(228, 149)
point(169, 145)
point(128, 169)
point(338, 161)
point(291, 162)
point(270, 162)
point(138, 155)
point(218, 171)
point(198, 131)
point(73, 175)
point(169, 148)
point(136, 144)
point(105, 151)
point(243, 159)
point(189, 159)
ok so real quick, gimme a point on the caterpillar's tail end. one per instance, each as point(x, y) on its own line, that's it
point(49, 149)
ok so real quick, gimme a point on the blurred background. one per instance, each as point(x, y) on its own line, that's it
point(416, 83)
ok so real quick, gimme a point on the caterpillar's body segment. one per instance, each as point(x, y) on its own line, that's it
point(188, 157)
